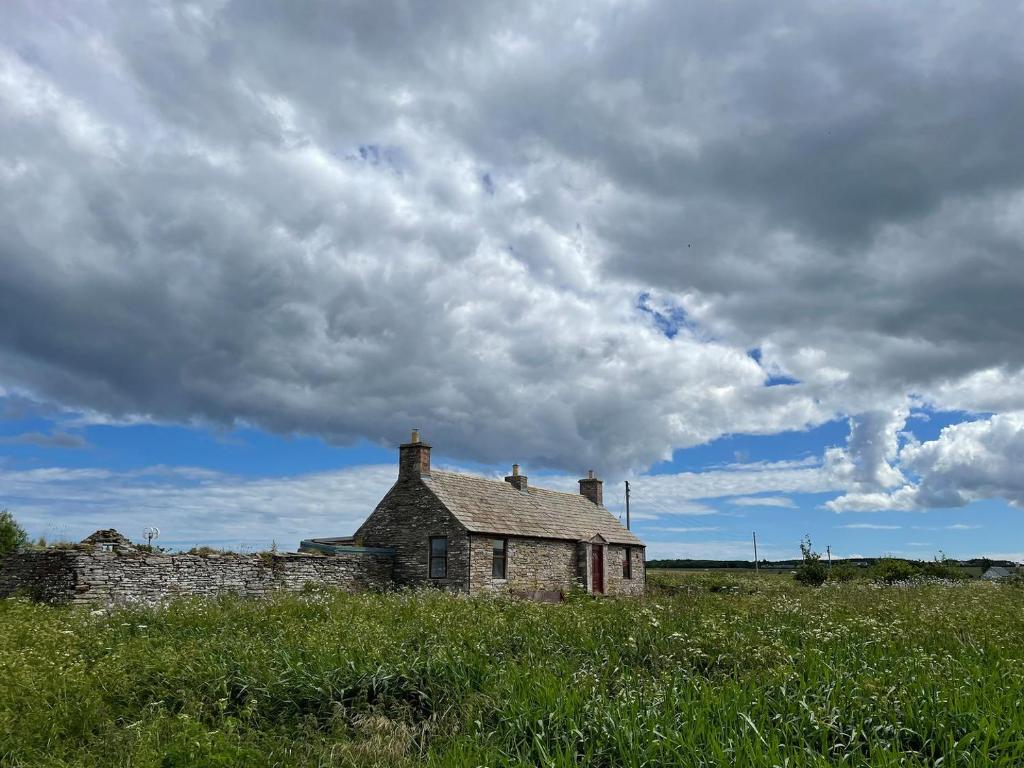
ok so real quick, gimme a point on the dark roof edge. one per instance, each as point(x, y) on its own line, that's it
point(489, 532)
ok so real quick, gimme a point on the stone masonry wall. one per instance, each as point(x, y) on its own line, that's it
point(49, 575)
point(405, 520)
point(614, 583)
point(96, 576)
point(533, 565)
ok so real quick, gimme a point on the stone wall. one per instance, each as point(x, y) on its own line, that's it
point(532, 565)
point(89, 575)
point(48, 575)
point(615, 584)
point(405, 520)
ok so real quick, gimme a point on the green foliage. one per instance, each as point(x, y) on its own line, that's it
point(767, 674)
point(843, 572)
point(890, 570)
point(811, 572)
point(12, 535)
point(204, 551)
point(943, 568)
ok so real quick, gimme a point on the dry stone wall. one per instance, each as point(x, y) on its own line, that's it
point(131, 575)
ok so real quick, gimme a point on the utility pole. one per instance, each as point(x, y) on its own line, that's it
point(828, 549)
point(627, 505)
point(757, 567)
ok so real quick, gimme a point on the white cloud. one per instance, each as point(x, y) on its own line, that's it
point(195, 506)
point(400, 215)
point(969, 461)
point(764, 501)
point(871, 526)
point(396, 215)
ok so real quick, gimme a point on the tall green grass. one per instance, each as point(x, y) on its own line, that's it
point(753, 672)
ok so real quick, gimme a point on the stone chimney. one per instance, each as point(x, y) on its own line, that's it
point(413, 458)
point(516, 480)
point(592, 488)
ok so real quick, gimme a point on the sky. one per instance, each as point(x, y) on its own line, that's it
point(762, 260)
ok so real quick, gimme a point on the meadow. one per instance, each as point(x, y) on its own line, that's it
point(709, 670)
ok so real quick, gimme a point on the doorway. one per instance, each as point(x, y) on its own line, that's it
point(597, 568)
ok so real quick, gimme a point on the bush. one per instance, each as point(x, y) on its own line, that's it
point(811, 572)
point(943, 568)
point(843, 572)
point(889, 570)
point(12, 535)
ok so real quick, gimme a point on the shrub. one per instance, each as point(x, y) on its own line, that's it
point(12, 535)
point(943, 568)
point(843, 572)
point(811, 572)
point(889, 570)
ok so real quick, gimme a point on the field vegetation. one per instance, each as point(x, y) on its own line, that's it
point(709, 670)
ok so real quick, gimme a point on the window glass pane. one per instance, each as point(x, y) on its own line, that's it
point(498, 558)
point(439, 558)
point(438, 568)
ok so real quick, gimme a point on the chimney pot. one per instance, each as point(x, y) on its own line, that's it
point(413, 458)
point(592, 488)
point(516, 480)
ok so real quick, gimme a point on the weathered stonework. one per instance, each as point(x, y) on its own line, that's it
point(551, 539)
point(615, 584)
point(89, 575)
point(532, 565)
point(405, 520)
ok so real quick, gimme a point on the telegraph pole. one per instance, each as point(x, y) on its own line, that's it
point(757, 568)
point(828, 549)
point(627, 505)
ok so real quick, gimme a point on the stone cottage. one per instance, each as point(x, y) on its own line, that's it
point(470, 534)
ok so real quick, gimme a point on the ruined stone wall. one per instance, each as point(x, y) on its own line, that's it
point(49, 575)
point(533, 565)
point(405, 520)
point(96, 576)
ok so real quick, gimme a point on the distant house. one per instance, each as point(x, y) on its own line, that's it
point(471, 534)
point(997, 573)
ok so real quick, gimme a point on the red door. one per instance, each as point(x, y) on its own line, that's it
point(597, 568)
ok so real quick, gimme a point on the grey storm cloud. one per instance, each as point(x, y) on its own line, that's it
point(349, 219)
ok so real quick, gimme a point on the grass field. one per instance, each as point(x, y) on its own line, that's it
point(710, 670)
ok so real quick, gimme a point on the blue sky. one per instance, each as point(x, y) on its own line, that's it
point(156, 462)
point(764, 262)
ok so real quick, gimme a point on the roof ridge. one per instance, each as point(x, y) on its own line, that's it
point(504, 483)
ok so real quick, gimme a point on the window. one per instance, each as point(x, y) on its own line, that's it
point(438, 557)
point(499, 558)
point(627, 565)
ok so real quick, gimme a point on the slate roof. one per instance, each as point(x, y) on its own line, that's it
point(996, 572)
point(493, 506)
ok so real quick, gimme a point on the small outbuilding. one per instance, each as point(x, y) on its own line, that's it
point(997, 573)
point(471, 534)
